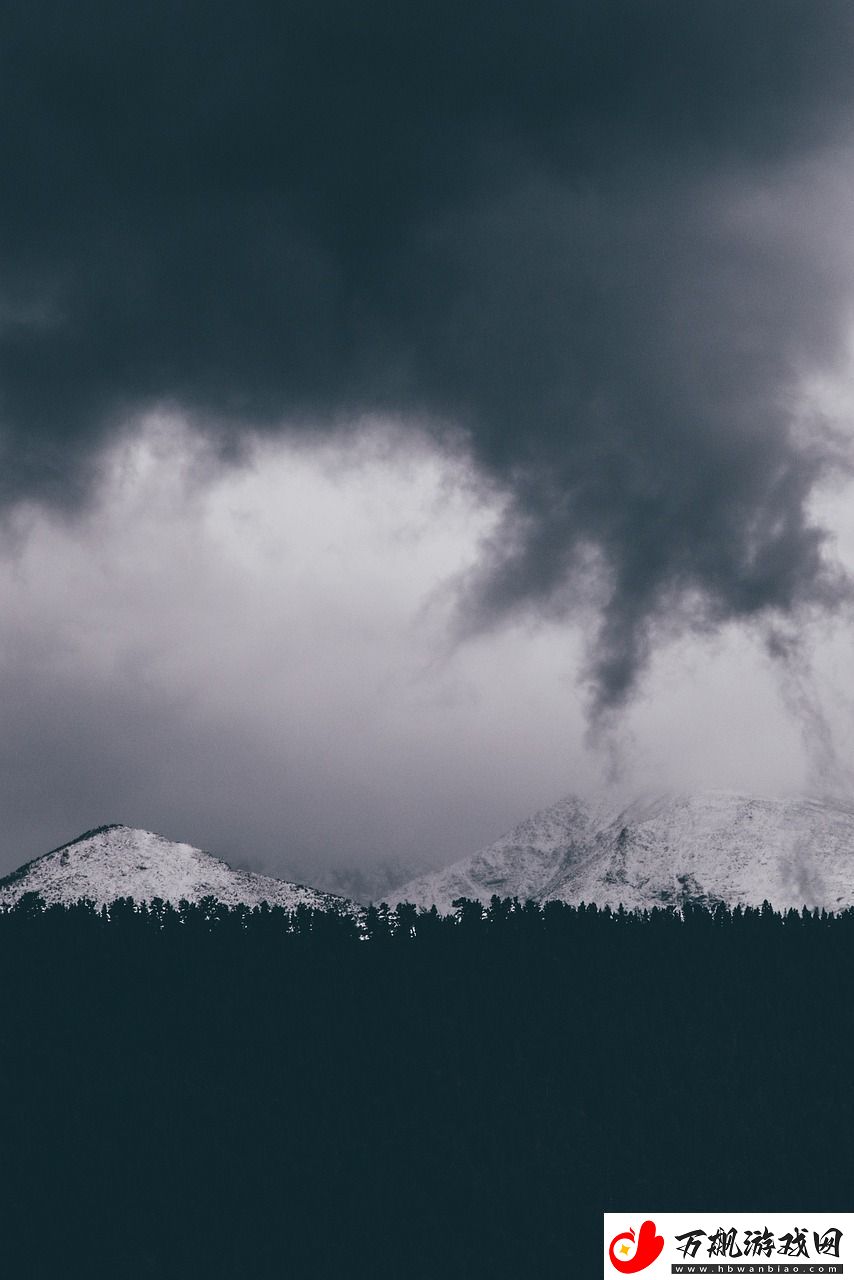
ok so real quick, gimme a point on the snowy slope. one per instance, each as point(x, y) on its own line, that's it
point(123, 862)
point(663, 850)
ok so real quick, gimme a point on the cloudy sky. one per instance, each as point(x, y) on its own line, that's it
point(412, 413)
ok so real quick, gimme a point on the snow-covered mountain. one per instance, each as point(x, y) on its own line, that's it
point(122, 862)
point(663, 850)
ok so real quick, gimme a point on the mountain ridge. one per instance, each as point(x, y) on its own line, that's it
point(662, 849)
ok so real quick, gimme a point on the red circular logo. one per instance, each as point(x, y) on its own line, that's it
point(635, 1255)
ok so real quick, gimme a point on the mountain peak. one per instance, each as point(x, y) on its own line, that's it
point(94, 831)
point(116, 861)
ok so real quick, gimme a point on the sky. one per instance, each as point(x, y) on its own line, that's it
point(412, 414)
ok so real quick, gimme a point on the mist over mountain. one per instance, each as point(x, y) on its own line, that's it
point(663, 850)
point(116, 861)
point(372, 881)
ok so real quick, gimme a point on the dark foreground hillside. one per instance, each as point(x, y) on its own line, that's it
point(214, 1093)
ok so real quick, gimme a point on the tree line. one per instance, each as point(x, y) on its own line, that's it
point(204, 1090)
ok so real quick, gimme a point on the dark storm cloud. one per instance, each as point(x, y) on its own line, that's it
point(828, 773)
point(542, 224)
